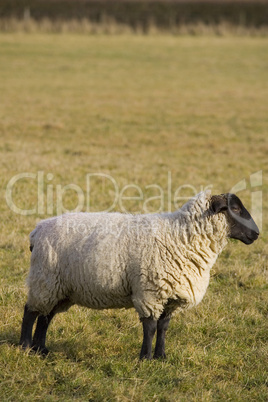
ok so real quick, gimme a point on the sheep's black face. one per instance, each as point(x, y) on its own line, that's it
point(241, 224)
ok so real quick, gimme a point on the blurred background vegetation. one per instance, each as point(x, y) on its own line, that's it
point(136, 15)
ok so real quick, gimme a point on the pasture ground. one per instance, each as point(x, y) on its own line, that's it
point(145, 110)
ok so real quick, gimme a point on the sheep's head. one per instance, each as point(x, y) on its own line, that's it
point(240, 223)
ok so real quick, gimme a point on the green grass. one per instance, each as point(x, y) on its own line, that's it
point(135, 108)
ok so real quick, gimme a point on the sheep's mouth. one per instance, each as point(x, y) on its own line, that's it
point(250, 239)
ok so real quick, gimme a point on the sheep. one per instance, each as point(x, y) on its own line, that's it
point(156, 263)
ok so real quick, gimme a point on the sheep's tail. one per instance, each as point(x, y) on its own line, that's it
point(32, 238)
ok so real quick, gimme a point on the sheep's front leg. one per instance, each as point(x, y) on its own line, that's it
point(149, 328)
point(29, 318)
point(162, 326)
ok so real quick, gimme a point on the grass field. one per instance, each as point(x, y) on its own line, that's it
point(162, 110)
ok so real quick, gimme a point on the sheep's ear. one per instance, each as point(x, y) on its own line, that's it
point(218, 204)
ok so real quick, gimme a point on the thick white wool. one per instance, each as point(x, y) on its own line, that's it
point(110, 260)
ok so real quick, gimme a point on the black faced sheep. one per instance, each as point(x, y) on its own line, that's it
point(156, 263)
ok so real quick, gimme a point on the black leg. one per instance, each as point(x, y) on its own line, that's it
point(39, 339)
point(162, 326)
point(149, 328)
point(29, 318)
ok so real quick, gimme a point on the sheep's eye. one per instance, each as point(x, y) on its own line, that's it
point(236, 210)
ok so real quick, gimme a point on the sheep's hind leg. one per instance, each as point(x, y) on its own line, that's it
point(29, 318)
point(149, 328)
point(39, 339)
point(162, 326)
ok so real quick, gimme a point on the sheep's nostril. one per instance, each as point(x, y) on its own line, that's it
point(255, 229)
point(255, 235)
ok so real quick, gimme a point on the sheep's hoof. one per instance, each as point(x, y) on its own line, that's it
point(145, 357)
point(25, 345)
point(160, 356)
point(40, 350)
